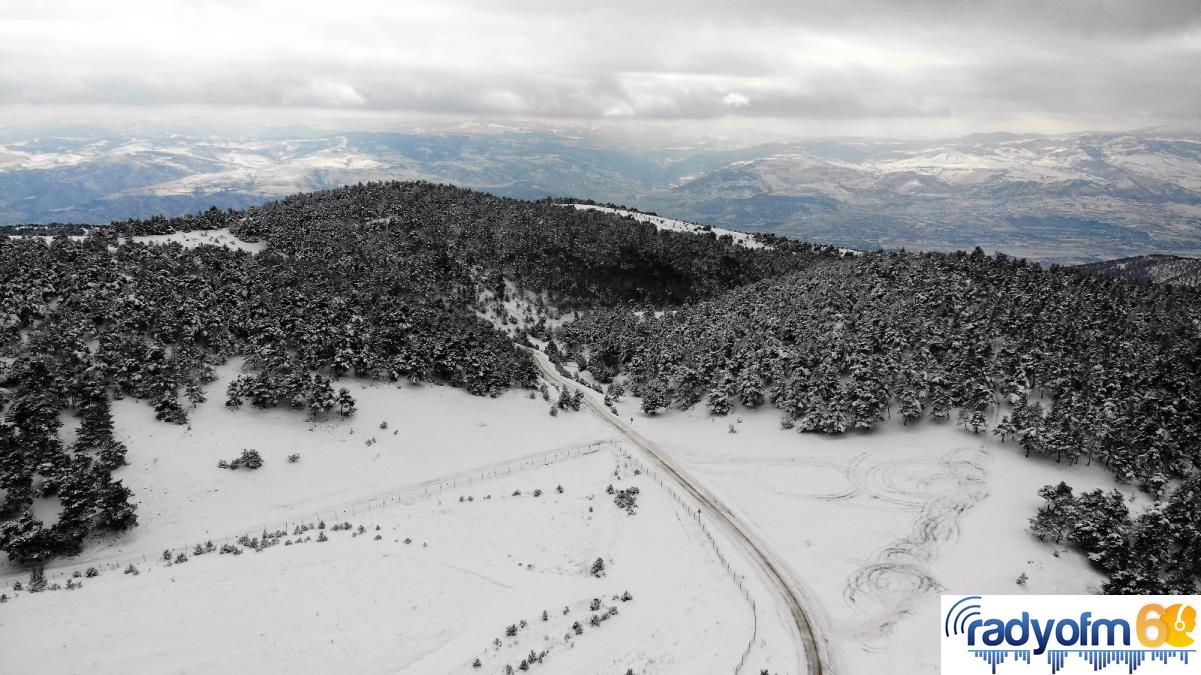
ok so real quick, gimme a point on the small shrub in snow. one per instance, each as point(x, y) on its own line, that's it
point(181, 558)
point(511, 631)
point(293, 458)
point(579, 630)
point(559, 489)
point(128, 570)
point(91, 572)
point(250, 458)
point(37, 580)
point(627, 499)
point(378, 537)
point(537, 493)
point(167, 555)
point(626, 597)
point(545, 616)
point(596, 604)
point(476, 664)
point(321, 536)
point(3, 598)
point(598, 568)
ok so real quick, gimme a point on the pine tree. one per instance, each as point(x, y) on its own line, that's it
point(345, 402)
point(1055, 518)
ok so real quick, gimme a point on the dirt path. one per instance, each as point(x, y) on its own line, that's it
point(814, 650)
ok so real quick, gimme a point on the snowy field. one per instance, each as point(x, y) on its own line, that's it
point(221, 237)
point(435, 592)
point(880, 524)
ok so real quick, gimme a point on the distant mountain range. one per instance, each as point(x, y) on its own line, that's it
point(1161, 269)
point(1070, 199)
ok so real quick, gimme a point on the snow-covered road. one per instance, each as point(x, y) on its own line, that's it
point(814, 649)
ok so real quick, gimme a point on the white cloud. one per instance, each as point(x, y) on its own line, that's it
point(735, 100)
point(320, 93)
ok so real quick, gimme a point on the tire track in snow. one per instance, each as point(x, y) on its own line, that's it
point(888, 587)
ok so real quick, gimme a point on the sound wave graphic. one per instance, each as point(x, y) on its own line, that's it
point(1097, 658)
point(958, 615)
point(993, 657)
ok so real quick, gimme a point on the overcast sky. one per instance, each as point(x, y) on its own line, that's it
point(842, 67)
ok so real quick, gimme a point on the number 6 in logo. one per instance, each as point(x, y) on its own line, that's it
point(1172, 624)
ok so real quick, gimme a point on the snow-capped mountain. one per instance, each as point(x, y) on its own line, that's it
point(1080, 197)
point(1072, 198)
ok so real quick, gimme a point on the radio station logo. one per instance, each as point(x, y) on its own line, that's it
point(1068, 634)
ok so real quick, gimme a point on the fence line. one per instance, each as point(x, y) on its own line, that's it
point(696, 515)
point(437, 486)
point(406, 496)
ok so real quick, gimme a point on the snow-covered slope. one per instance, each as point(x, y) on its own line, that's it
point(740, 238)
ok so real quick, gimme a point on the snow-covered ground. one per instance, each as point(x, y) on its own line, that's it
point(444, 475)
point(880, 524)
point(222, 237)
point(740, 238)
point(432, 605)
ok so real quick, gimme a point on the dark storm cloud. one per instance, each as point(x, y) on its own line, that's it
point(981, 64)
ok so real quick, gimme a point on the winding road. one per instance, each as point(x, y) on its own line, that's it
point(813, 648)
